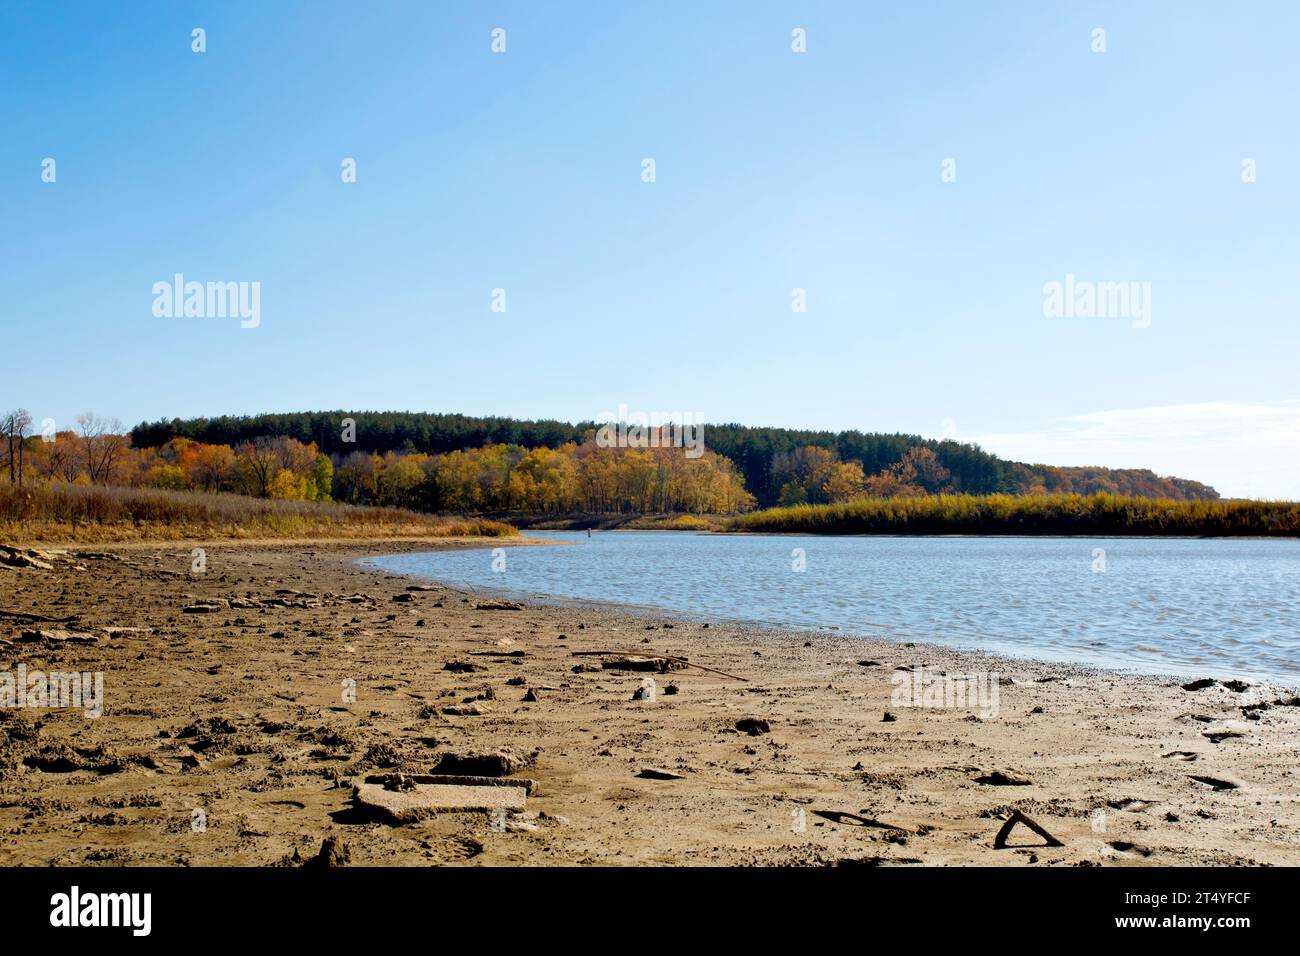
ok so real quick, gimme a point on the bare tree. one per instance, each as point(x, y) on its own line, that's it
point(60, 459)
point(102, 444)
point(7, 426)
point(17, 426)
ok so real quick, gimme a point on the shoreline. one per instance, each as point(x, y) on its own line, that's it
point(238, 712)
point(559, 602)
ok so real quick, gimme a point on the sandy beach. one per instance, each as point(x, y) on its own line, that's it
point(259, 691)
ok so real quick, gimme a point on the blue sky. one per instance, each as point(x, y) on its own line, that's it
point(774, 171)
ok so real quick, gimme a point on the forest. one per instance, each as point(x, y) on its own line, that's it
point(777, 466)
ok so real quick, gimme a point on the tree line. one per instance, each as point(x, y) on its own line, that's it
point(757, 453)
point(577, 475)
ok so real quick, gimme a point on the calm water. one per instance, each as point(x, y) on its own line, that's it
point(1188, 607)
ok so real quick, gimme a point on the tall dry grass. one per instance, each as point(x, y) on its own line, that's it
point(1056, 514)
point(57, 511)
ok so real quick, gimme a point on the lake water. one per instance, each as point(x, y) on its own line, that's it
point(1167, 606)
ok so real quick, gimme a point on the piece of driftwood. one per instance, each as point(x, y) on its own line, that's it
point(853, 819)
point(665, 657)
point(1000, 841)
point(656, 773)
point(26, 616)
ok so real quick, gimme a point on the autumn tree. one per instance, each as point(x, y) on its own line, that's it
point(918, 473)
point(213, 468)
point(256, 465)
point(846, 481)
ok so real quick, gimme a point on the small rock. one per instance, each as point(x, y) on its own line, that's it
point(654, 773)
point(461, 667)
point(999, 779)
point(474, 709)
point(333, 852)
point(753, 726)
point(485, 763)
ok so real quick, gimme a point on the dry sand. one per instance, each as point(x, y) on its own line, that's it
point(241, 714)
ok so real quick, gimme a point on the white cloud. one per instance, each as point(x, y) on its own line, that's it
point(1243, 449)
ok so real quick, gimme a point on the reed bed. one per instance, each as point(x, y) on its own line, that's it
point(1053, 514)
point(57, 511)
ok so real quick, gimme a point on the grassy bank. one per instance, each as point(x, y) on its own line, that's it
point(535, 521)
point(56, 511)
point(1100, 514)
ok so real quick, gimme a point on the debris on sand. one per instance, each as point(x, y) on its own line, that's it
point(462, 667)
point(650, 661)
point(485, 763)
point(1216, 783)
point(22, 558)
point(58, 637)
point(853, 819)
point(530, 696)
point(999, 779)
point(1219, 736)
point(126, 631)
point(660, 665)
point(333, 852)
point(473, 709)
point(401, 798)
point(1236, 686)
point(206, 607)
point(753, 726)
point(654, 773)
point(498, 606)
point(585, 668)
point(1000, 841)
point(887, 718)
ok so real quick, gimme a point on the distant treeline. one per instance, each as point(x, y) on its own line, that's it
point(762, 456)
point(1052, 514)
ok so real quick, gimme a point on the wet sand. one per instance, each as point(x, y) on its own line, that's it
point(243, 713)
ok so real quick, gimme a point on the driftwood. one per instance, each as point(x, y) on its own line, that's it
point(25, 616)
point(1000, 841)
point(662, 657)
point(853, 819)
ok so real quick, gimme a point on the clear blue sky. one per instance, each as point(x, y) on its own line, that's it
point(775, 170)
